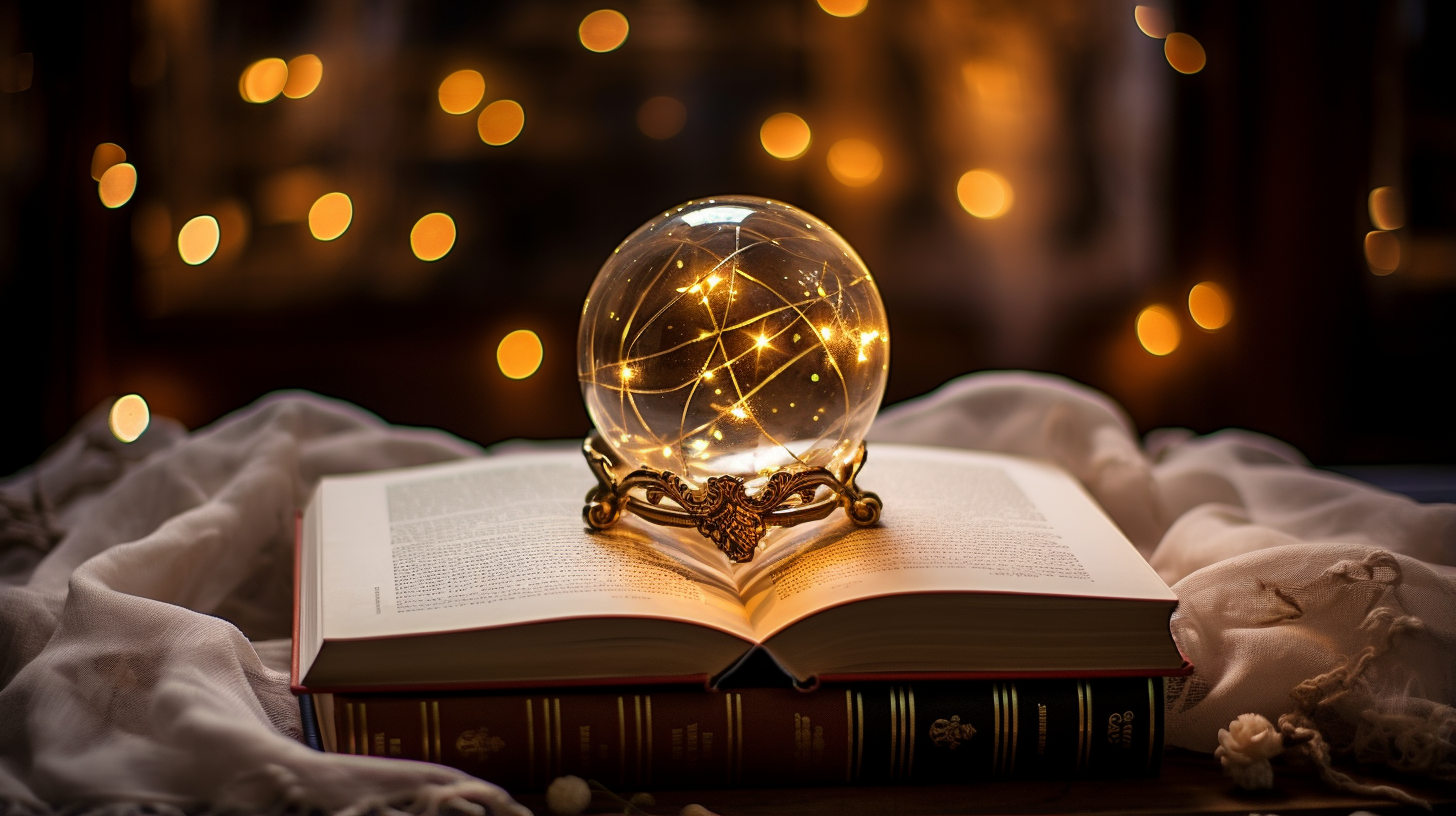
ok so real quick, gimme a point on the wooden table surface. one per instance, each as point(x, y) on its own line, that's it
point(1189, 783)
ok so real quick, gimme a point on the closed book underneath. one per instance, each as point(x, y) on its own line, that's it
point(866, 733)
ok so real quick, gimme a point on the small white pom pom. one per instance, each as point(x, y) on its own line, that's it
point(1244, 749)
point(568, 795)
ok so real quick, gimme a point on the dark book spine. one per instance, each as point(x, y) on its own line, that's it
point(872, 733)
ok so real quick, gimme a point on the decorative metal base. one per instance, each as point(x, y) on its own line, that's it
point(722, 510)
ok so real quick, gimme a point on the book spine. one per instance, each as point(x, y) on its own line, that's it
point(873, 733)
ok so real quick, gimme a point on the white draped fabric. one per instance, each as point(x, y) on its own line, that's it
point(145, 595)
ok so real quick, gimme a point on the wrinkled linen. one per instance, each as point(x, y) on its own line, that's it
point(145, 594)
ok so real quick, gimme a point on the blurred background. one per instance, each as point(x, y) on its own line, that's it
point(1219, 213)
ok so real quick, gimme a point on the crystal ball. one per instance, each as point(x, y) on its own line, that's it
point(733, 336)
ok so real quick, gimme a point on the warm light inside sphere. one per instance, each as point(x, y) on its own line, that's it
point(733, 336)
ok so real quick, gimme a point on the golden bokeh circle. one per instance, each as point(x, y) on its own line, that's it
point(1209, 306)
point(843, 8)
point(433, 236)
point(198, 239)
point(117, 185)
point(263, 81)
point(1184, 53)
point(855, 162)
point(501, 122)
point(304, 74)
point(462, 91)
point(519, 354)
point(1153, 21)
point(105, 156)
point(785, 136)
point(1382, 251)
point(984, 193)
point(603, 30)
point(129, 418)
point(1157, 330)
point(330, 216)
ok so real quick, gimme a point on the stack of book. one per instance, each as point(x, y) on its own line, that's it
point(995, 624)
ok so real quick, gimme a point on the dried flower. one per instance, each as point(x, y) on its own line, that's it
point(1244, 749)
point(568, 795)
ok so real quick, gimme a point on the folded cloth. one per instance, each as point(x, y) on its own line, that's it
point(145, 595)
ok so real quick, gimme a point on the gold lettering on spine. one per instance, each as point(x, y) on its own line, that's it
point(1081, 723)
point(1015, 728)
point(530, 744)
point(1152, 722)
point(848, 735)
point(904, 738)
point(859, 720)
point(621, 743)
point(910, 758)
point(728, 708)
point(364, 727)
point(435, 720)
point(1041, 715)
point(546, 733)
point(637, 705)
point(894, 731)
point(349, 717)
point(1087, 759)
point(424, 732)
point(996, 737)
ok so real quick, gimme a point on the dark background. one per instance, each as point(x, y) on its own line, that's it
point(1253, 172)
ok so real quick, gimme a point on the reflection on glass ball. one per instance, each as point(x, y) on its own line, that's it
point(733, 336)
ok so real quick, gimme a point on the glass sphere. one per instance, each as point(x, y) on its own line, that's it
point(733, 336)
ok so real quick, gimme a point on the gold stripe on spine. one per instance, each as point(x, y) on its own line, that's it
point(996, 737)
point(621, 743)
point(546, 733)
point(859, 750)
point(894, 731)
point(1152, 722)
point(637, 704)
point(364, 726)
point(738, 759)
point(435, 717)
point(1015, 727)
point(424, 731)
point(1087, 762)
point(556, 732)
point(904, 722)
point(349, 718)
point(1081, 723)
point(910, 758)
point(648, 777)
point(728, 761)
point(530, 744)
point(848, 735)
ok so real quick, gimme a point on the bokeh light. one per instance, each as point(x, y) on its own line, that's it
point(1184, 53)
point(785, 136)
point(117, 185)
point(129, 418)
point(661, 117)
point(984, 194)
point(198, 239)
point(263, 80)
point(462, 91)
point(501, 122)
point(1387, 211)
point(843, 8)
point(1382, 252)
point(105, 156)
point(433, 236)
point(1157, 330)
point(519, 354)
point(1209, 306)
point(603, 30)
point(1153, 21)
point(855, 162)
point(330, 216)
point(304, 73)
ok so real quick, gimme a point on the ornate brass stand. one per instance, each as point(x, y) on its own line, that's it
point(722, 510)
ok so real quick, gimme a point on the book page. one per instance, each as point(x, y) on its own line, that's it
point(498, 541)
point(953, 521)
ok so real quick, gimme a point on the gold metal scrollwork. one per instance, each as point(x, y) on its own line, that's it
point(723, 510)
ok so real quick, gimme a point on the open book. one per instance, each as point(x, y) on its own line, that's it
point(481, 573)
